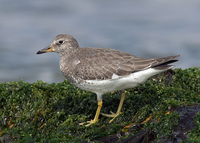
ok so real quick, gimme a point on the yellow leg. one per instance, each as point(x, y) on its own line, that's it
point(96, 118)
point(114, 115)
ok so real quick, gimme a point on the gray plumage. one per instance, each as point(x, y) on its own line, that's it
point(100, 63)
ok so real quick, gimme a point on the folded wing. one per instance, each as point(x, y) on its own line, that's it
point(103, 63)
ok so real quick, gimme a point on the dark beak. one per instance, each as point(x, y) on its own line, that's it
point(45, 50)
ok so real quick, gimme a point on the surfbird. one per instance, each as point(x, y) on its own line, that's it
point(102, 70)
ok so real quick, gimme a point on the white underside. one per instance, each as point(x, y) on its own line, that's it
point(101, 87)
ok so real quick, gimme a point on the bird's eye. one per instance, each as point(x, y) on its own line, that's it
point(61, 41)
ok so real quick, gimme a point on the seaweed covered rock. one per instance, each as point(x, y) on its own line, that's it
point(165, 108)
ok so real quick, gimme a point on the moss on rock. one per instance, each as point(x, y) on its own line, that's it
point(42, 112)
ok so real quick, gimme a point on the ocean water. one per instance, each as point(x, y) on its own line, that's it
point(145, 28)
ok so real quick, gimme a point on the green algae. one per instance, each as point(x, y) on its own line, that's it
point(42, 112)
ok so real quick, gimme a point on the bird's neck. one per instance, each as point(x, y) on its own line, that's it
point(65, 58)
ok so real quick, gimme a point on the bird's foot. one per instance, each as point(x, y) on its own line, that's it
point(112, 115)
point(89, 123)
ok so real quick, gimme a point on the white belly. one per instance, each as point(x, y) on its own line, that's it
point(101, 87)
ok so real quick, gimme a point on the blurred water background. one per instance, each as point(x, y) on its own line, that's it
point(143, 28)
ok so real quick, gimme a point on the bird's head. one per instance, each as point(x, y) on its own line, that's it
point(61, 44)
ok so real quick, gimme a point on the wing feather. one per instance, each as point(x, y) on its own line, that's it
point(100, 63)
